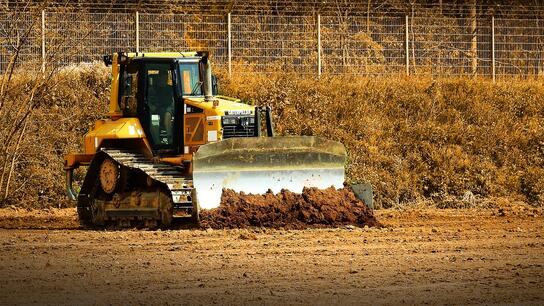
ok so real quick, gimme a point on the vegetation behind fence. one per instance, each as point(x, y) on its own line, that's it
point(419, 44)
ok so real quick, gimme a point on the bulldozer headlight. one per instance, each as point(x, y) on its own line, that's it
point(245, 122)
point(230, 121)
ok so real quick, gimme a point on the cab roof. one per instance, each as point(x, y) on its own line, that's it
point(164, 54)
point(122, 57)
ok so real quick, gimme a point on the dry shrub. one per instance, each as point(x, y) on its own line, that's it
point(65, 108)
point(413, 139)
point(416, 139)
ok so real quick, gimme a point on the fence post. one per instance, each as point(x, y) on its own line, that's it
point(493, 71)
point(474, 37)
point(407, 44)
point(229, 43)
point(43, 41)
point(318, 45)
point(137, 32)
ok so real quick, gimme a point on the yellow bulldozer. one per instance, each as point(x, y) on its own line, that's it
point(170, 144)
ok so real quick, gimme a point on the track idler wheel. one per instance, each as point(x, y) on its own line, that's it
point(109, 175)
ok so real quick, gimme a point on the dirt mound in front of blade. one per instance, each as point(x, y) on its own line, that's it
point(313, 208)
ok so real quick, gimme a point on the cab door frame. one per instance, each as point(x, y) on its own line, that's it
point(176, 147)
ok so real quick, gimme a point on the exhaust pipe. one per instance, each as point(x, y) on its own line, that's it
point(207, 65)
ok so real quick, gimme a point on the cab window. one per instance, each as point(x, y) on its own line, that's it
point(190, 79)
point(160, 104)
point(128, 90)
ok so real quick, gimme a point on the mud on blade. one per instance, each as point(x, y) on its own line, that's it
point(255, 165)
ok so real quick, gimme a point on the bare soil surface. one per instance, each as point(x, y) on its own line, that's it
point(463, 256)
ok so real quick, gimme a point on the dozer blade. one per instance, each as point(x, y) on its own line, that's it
point(257, 164)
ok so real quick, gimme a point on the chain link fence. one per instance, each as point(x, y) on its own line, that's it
point(20, 37)
point(169, 32)
point(311, 45)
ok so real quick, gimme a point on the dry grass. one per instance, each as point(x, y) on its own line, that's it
point(415, 140)
point(65, 108)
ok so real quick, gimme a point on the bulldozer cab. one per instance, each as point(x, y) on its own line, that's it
point(152, 90)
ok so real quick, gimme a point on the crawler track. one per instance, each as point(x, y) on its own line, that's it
point(147, 193)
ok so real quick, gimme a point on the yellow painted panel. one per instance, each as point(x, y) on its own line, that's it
point(124, 128)
point(194, 129)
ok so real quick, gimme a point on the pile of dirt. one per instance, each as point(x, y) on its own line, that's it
point(313, 208)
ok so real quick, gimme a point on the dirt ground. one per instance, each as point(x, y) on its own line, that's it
point(422, 256)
